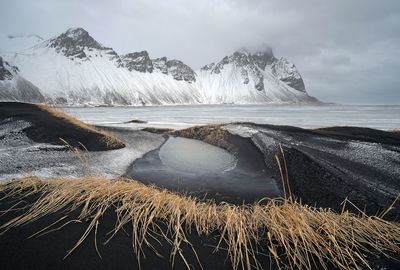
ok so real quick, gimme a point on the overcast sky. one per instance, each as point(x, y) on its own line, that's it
point(347, 51)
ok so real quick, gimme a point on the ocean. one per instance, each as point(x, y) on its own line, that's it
point(306, 116)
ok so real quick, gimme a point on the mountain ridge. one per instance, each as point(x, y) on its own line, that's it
point(73, 68)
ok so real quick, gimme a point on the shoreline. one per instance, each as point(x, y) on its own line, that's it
point(383, 118)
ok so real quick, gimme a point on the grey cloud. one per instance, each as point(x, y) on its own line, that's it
point(347, 51)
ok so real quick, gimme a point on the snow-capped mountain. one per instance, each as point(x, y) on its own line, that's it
point(14, 87)
point(253, 77)
point(73, 68)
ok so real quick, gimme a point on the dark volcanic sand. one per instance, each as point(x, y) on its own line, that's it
point(47, 251)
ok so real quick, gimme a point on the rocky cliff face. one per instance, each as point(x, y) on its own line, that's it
point(288, 73)
point(5, 74)
point(139, 61)
point(177, 69)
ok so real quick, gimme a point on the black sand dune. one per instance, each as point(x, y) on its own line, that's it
point(48, 127)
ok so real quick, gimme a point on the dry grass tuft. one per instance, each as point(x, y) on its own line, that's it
point(298, 236)
point(157, 130)
point(110, 141)
point(212, 134)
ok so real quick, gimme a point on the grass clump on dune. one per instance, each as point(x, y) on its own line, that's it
point(212, 134)
point(296, 235)
point(108, 140)
point(59, 114)
point(48, 125)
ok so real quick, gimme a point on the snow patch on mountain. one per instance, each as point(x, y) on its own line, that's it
point(14, 87)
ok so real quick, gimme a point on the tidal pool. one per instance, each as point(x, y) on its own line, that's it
point(206, 171)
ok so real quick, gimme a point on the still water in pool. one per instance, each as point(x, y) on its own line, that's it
point(195, 156)
point(206, 171)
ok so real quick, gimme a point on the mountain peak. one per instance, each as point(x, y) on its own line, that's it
point(77, 36)
point(76, 32)
point(73, 43)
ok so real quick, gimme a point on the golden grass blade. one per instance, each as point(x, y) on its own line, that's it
point(49, 226)
point(95, 239)
point(287, 173)
point(391, 206)
point(283, 181)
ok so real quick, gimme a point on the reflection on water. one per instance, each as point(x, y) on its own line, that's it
point(195, 156)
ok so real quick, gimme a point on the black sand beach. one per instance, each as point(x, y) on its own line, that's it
point(325, 167)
